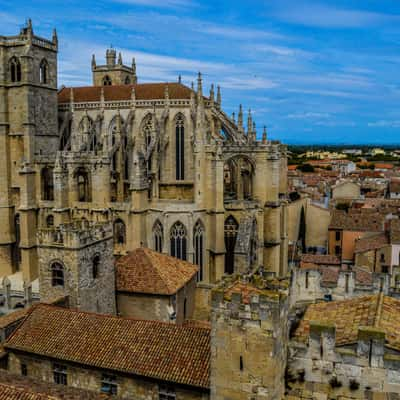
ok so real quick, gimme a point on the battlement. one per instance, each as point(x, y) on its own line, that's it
point(75, 235)
point(252, 299)
point(26, 36)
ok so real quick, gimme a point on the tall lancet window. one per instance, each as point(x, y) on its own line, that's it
point(178, 241)
point(198, 245)
point(147, 132)
point(180, 148)
point(158, 235)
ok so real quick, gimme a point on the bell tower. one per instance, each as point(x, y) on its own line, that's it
point(28, 132)
point(114, 72)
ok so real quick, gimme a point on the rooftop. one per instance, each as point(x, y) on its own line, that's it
point(324, 259)
point(146, 271)
point(143, 91)
point(377, 311)
point(357, 221)
point(153, 349)
point(371, 242)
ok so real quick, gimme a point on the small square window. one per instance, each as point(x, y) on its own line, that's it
point(166, 393)
point(109, 384)
point(24, 370)
point(60, 374)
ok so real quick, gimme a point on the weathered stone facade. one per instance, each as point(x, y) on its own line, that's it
point(76, 260)
point(163, 163)
point(248, 341)
point(82, 377)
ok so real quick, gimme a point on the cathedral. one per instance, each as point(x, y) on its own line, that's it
point(162, 163)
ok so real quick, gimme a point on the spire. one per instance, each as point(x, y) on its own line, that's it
point(71, 99)
point(179, 79)
point(199, 87)
point(134, 71)
point(219, 98)
point(212, 93)
point(233, 117)
point(120, 59)
point(249, 122)
point(133, 94)
point(93, 61)
point(55, 37)
point(192, 85)
point(240, 118)
point(102, 95)
point(264, 135)
point(166, 92)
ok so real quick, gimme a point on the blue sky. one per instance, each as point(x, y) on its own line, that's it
point(313, 71)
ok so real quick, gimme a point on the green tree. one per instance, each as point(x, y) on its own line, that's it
point(302, 230)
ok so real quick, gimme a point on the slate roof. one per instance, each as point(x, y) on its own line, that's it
point(143, 91)
point(376, 311)
point(153, 349)
point(13, 387)
point(146, 271)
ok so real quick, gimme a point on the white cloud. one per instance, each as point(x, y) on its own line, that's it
point(385, 124)
point(323, 16)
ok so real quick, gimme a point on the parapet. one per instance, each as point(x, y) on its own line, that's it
point(75, 235)
point(250, 299)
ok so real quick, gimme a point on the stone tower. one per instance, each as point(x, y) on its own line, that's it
point(28, 139)
point(76, 260)
point(249, 338)
point(114, 72)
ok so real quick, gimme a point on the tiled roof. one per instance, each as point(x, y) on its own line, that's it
point(246, 290)
point(371, 243)
point(357, 221)
point(14, 387)
point(383, 166)
point(143, 91)
point(146, 271)
point(394, 186)
point(325, 259)
point(12, 317)
point(378, 311)
point(153, 349)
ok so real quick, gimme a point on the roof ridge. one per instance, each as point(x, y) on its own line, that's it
point(155, 266)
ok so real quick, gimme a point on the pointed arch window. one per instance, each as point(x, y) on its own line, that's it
point(158, 236)
point(119, 232)
point(180, 148)
point(127, 80)
point(147, 133)
point(43, 72)
point(47, 184)
point(231, 230)
point(82, 177)
point(57, 274)
point(198, 246)
point(178, 241)
point(15, 70)
point(107, 81)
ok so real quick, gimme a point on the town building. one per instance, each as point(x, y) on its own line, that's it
point(151, 285)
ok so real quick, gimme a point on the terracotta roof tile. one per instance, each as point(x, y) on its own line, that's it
point(143, 91)
point(146, 271)
point(13, 317)
point(325, 259)
point(371, 243)
point(357, 221)
point(168, 352)
point(378, 311)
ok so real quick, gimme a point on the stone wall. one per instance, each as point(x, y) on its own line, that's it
point(367, 365)
point(248, 346)
point(79, 376)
